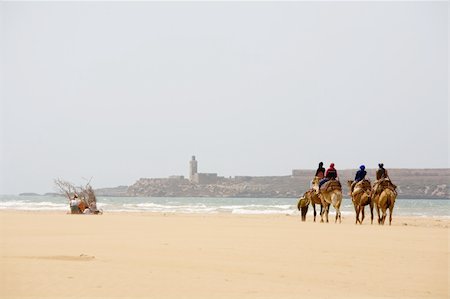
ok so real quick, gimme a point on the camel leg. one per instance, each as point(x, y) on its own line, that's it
point(379, 214)
point(357, 213)
point(322, 211)
point(362, 215)
point(339, 211)
point(391, 209)
point(371, 212)
point(314, 207)
point(338, 215)
point(327, 210)
point(383, 218)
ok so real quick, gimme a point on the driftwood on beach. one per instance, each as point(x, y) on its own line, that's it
point(85, 194)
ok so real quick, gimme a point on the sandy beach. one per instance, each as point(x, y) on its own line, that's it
point(149, 255)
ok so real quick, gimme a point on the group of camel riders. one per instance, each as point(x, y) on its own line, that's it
point(326, 191)
point(331, 174)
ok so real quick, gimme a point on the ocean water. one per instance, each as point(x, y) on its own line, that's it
point(403, 207)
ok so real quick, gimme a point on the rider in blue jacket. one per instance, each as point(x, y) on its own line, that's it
point(360, 175)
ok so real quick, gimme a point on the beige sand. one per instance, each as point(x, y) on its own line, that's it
point(51, 255)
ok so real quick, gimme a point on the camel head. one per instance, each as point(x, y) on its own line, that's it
point(315, 184)
point(349, 183)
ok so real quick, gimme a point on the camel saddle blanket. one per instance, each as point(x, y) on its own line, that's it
point(361, 186)
point(387, 184)
point(331, 185)
point(379, 186)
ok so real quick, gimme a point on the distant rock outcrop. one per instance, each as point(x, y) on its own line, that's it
point(115, 191)
point(53, 194)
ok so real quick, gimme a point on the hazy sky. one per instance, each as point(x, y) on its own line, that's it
point(120, 91)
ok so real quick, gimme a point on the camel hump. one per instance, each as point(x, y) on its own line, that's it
point(331, 185)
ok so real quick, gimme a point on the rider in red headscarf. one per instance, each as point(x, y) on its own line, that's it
point(331, 174)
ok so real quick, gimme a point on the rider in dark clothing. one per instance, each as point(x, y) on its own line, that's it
point(320, 172)
point(360, 174)
point(381, 175)
point(381, 172)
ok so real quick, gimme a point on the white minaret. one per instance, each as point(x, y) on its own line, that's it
point(192, 168)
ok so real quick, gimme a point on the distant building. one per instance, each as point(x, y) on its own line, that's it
point(200, 178)
point(176, 177)
point(192, 168)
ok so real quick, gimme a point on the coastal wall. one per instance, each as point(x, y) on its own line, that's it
point(412, 183)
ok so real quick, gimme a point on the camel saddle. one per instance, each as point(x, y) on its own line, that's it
point(362, 186)
point(384, 184)
point(331, 185)
point(387, 184)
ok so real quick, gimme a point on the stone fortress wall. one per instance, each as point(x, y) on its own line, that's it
point(412, 183)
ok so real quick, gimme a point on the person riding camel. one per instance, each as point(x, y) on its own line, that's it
point(359, 176)
point(331, 174)
point(381, 175)
point(381, 172)
point(320, 172)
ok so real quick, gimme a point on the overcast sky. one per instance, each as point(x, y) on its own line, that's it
point(120, 91)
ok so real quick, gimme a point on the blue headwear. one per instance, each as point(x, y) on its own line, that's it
point(362, 167)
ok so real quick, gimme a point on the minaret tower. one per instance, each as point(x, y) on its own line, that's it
point(192, 168)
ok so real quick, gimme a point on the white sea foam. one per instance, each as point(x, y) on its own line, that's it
point(254, 206)
point(26, 205)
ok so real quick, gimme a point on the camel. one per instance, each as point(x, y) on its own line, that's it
point(310, 196)
point(385, 200)
point(330, 194)
point(361, 196)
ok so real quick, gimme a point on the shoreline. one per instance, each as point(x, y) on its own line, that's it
point(346, 216)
